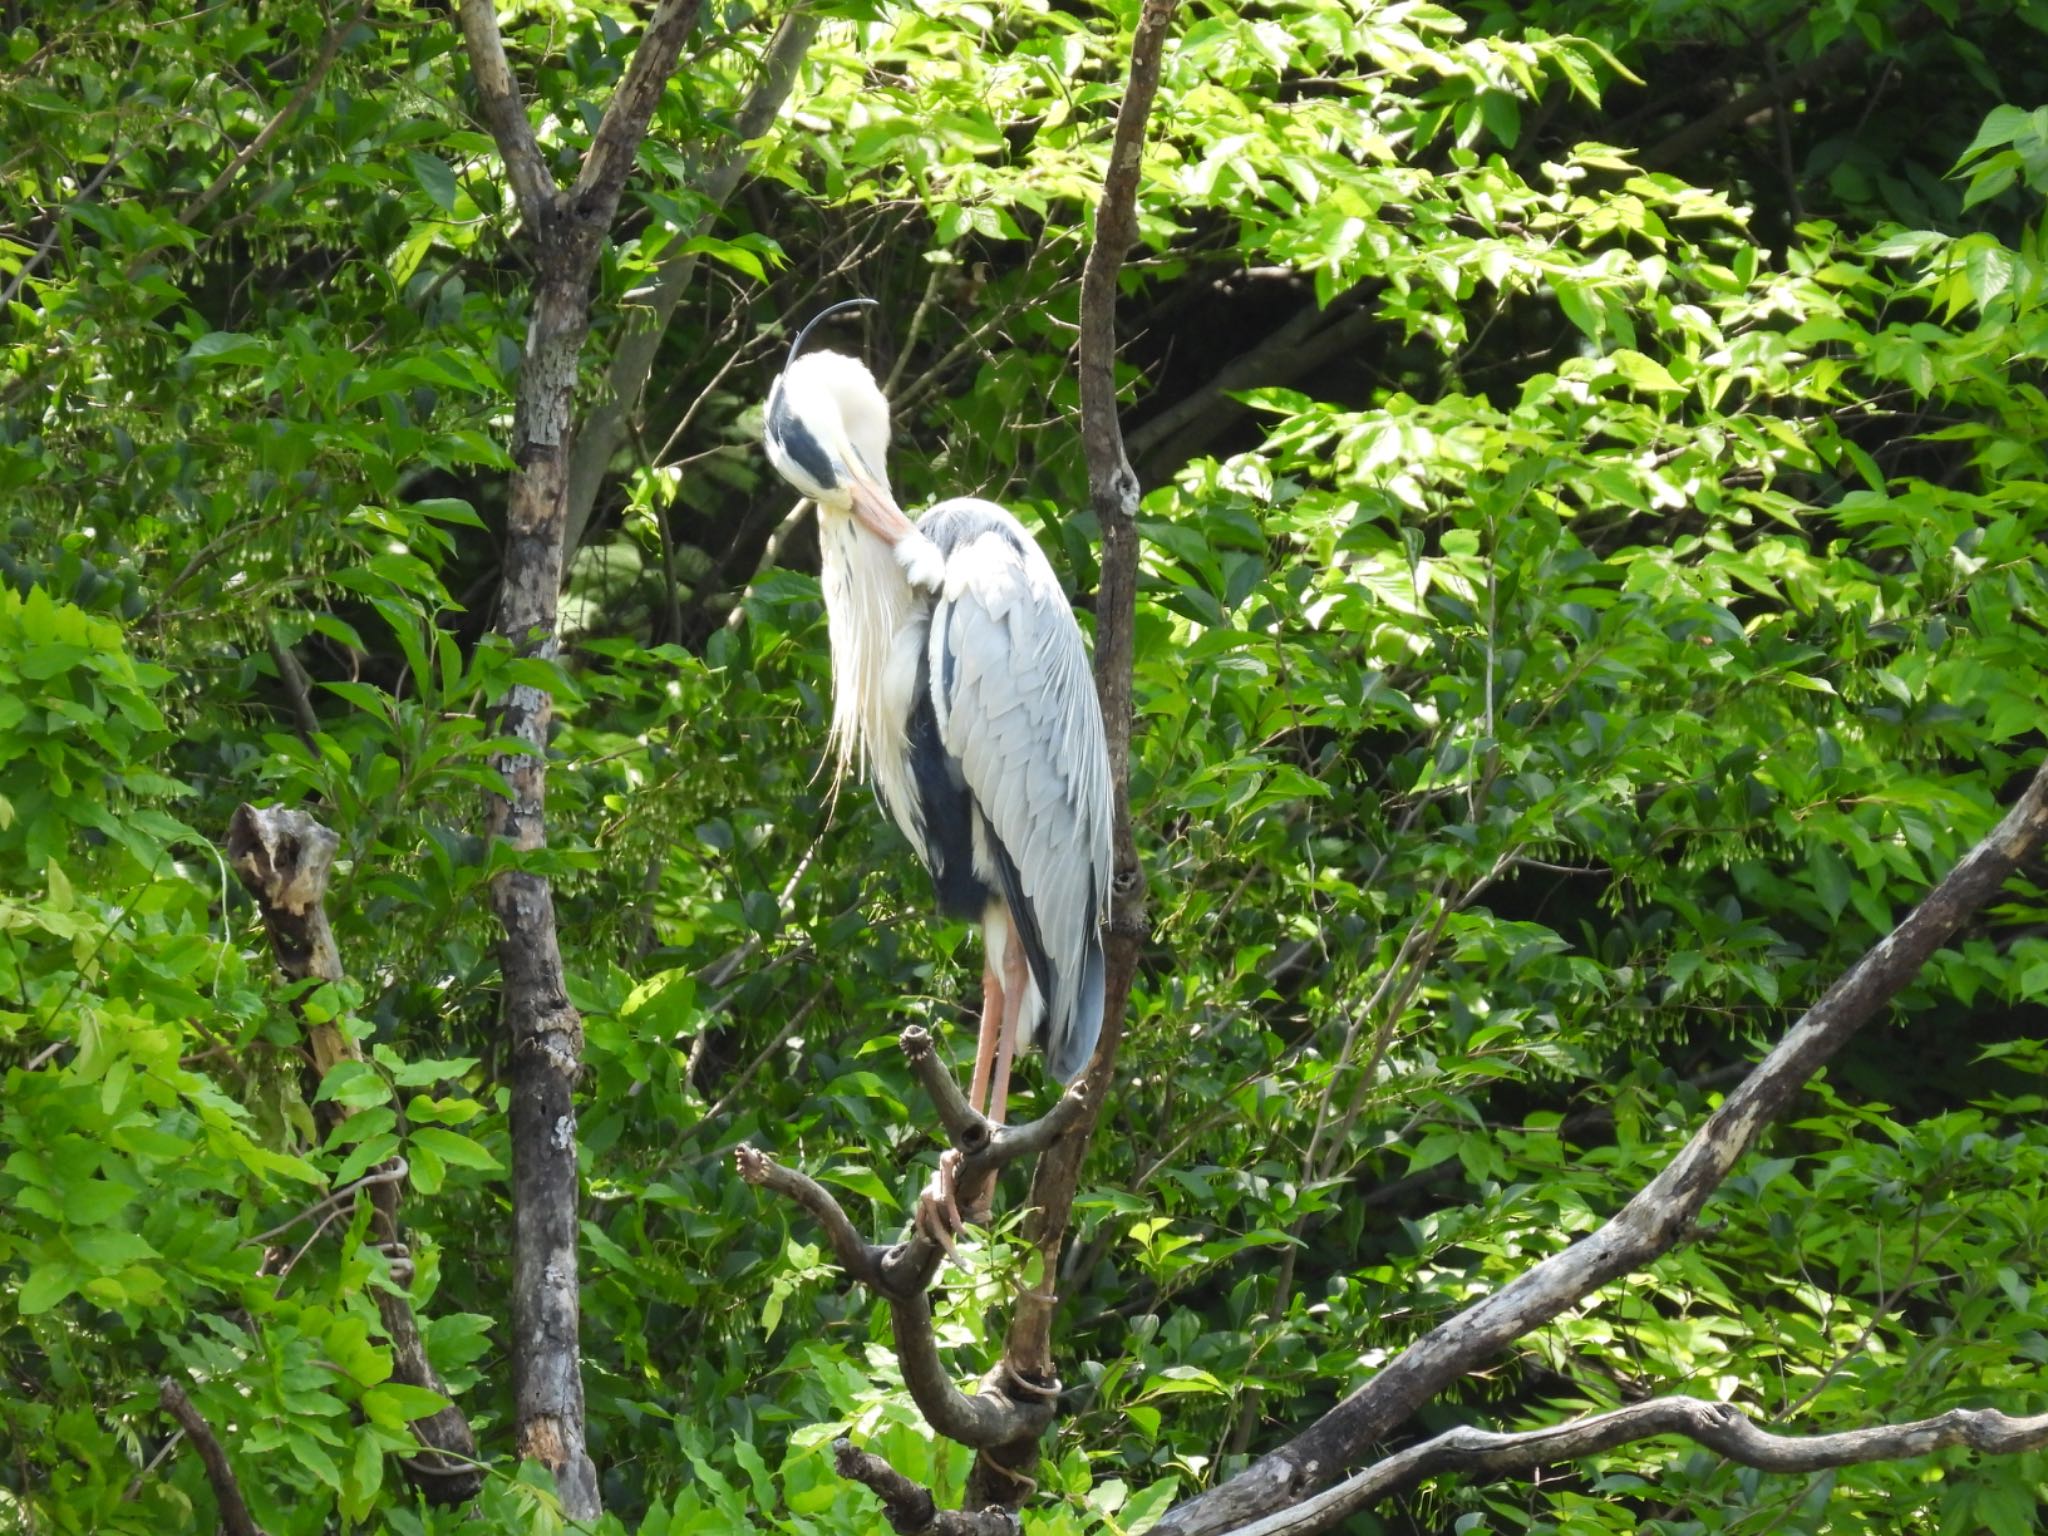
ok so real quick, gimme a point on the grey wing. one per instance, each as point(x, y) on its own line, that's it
point(1016, 707)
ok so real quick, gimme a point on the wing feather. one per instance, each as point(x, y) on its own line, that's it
point(1020, 715)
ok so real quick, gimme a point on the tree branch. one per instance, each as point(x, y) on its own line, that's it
point(227, 1493)
point(1653, 1222)
point(860, 1259)
point(567, 236)
point(989, 1417)
point(283, 857)
point(982, 1143)
point(910, 1509)
point(1720, 1427)
point(613, 147)
point(633, 358)
point(505, 113)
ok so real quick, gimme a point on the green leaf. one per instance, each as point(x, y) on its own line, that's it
point(1644, 373)
point(435, 176)
point(46, 1285)
point(454, 1147)
point(228, 347)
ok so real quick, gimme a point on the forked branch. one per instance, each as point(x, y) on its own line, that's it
point(983, 1144)
point(566, 236)
point(1720, 1427)
point(901, 1276)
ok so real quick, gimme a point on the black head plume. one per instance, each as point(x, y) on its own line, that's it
point(824, 314)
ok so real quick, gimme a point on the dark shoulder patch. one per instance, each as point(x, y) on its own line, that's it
point(946, 808)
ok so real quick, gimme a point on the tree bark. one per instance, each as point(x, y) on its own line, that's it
point(565, 232)
point(1721, 1427)
point(235, 1518)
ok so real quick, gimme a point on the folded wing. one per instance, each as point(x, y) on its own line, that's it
point(1015, 705)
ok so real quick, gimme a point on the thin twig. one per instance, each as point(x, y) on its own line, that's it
point(330, 50)
point(393, 1172)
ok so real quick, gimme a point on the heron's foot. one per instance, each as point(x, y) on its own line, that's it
point(939, 1215)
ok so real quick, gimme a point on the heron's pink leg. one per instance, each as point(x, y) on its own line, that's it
point(991, 1028)
point(1016, 980)
point(938, 1208)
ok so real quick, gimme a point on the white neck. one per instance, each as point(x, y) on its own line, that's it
point(867, 601)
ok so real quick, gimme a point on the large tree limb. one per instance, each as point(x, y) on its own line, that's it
point(566, 236)
point(283, 858)
point(1719, 1426)
point(1652, 1223)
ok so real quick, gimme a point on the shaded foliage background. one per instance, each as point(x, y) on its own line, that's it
point(1593, 584)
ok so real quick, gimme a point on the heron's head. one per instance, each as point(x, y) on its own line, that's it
point(827, 434)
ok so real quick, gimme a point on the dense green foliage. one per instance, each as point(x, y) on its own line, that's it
point(1544, 689)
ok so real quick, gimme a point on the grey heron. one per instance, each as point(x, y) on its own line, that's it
point(961, 685)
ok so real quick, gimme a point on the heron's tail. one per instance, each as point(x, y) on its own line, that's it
point(1068, 1049)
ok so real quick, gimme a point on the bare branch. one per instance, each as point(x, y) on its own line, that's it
point(966, 1127)
point(1719, 1426)
point(1113, 494)
point(505, 113)
point(393, 1172)
point(985, 1420)
point(858, 1257)
point(227, 1493)
point(910, 1509)
point(901, 1277)
point(984, 1145)
point(297, 685)
point(1012, 1143)
point(1653, 1222)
